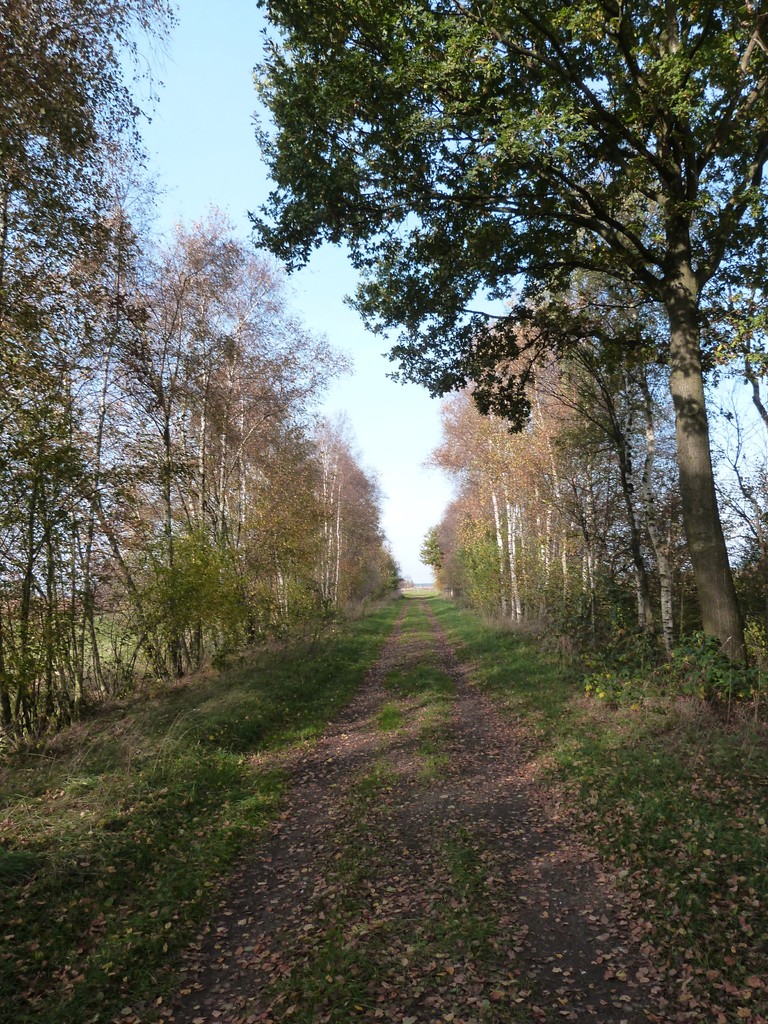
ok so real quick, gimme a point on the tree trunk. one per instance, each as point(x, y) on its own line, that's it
point(501, 559)
point(202, 451)
point(517, 610)
point(589, 532)
point(6, 711)
point(223, 510)
point(175, 645)
point(49, 629)
point(546, 560)
point(642, 585)
point(4, 202)
point(338, 541)
point(720, 612)
point(660, 549)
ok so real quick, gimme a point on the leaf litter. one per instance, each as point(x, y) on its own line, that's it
point(386, 892)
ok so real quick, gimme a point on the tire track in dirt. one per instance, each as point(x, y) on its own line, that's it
point(452, 895)
point(576, 934)
point(242, 949)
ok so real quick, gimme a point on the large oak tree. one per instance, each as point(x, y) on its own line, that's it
point(469, 146)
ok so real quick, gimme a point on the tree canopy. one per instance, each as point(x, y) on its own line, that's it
point(460, 147)
point(63, 103)
point(467, 149)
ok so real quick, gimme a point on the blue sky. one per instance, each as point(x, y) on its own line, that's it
point(203, 152)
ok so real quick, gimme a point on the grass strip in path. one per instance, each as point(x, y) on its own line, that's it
point(673, 796)
point(116, 832)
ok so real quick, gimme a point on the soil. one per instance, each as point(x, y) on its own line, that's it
point(448, 890)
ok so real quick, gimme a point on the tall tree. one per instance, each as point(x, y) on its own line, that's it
point(219, 378)
point(354, 562)
point(63, 103)
point(607, 384)
point(460, 147)
point(64, 108)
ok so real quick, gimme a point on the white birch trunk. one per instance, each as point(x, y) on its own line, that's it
point(500, 547)
point(201, 453)
point(514, 585)
point(338, 539)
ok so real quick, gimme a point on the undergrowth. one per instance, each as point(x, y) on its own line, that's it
point(631, 669)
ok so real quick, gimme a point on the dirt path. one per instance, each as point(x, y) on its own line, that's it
point(418, 875)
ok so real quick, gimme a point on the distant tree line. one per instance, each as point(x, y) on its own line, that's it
point(573, 525)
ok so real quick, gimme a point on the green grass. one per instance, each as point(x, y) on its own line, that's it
point(116, 832)
point(425, 681)
point(674, 796)
point(390, 718)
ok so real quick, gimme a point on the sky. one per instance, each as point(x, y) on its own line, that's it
point(203, 153)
